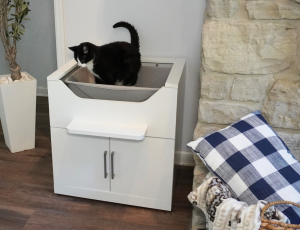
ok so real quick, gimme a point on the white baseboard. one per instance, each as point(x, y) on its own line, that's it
point(184, 158)
point(42, 92)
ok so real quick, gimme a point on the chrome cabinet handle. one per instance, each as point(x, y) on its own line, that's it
point(112, 165)
point(105, 171)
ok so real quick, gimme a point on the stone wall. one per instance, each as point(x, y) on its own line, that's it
point(250, 61)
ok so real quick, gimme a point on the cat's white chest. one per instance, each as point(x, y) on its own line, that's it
point(90, 66)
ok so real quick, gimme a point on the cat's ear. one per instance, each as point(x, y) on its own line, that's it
point(73, 48)
point(85, 49)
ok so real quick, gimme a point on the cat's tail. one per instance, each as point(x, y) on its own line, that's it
point(135, 40)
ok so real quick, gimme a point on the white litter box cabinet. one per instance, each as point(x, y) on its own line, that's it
point(116, 151)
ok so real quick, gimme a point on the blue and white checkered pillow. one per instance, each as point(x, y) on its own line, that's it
point(250, 157)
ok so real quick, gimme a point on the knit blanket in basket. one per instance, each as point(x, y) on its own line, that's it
point(224, 212)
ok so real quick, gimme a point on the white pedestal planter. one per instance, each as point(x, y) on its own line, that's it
point(17, 113)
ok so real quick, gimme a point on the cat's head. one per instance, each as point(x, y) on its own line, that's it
point(83, 53)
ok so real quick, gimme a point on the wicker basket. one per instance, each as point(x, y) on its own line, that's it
point(274, 225)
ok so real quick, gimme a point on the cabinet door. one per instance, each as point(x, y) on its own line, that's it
point(143, 168)
point(78, 160)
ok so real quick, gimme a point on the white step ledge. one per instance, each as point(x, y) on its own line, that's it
point(129, 132)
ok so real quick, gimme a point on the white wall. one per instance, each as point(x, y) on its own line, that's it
point(167, 28)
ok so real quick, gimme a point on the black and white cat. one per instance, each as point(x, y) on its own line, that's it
point(116, 63)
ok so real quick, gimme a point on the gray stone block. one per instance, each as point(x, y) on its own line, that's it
point(222, 8)
point(248, 47)
point(275, 9)
point(292, 139)
point(224, 112)
point(250, 88)
point(214, 87)
point(281, 108)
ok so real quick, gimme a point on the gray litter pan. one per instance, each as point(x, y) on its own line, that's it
point(150, 79)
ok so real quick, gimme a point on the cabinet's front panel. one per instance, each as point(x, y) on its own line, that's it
point(158, 113)
point(78, 160)
point(143, 168)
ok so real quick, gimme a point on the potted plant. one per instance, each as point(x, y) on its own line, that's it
point(17, 89)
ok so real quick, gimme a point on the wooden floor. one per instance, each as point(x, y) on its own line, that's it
point(27, 200)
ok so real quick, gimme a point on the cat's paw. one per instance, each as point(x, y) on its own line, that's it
point(81, 65)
